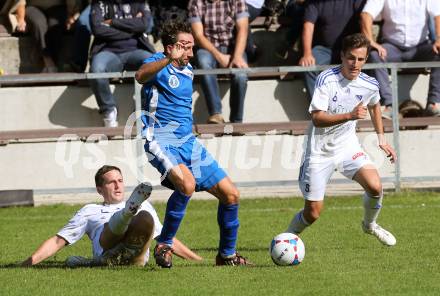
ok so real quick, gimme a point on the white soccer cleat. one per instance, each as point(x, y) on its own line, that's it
point(383, 235)
point(140, 194)
point(79, 261)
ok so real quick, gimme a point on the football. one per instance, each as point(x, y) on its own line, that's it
point(287, 249)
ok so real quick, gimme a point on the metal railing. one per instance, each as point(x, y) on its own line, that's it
point(269, 71)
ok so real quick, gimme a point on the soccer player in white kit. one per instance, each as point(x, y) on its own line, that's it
point(120, 231)
point(343, 95)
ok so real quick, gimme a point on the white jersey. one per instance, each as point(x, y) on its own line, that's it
point(90, 219)
point(335, 94)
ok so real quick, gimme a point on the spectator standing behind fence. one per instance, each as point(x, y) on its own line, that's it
point(120, 44)
point(220, 29)
point(326, 23)
point(44, 20)
point(404, 38)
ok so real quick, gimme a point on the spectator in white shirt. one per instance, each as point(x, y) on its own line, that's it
point(404, 38)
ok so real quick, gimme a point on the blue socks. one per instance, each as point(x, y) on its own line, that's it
point(175, 212)
point(227, 218)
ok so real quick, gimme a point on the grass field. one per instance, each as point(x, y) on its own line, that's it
point(340, 259)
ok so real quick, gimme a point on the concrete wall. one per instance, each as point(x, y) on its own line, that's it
point(75, 106)
point(271, 159)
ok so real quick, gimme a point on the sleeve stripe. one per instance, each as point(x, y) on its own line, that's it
point(369, 79)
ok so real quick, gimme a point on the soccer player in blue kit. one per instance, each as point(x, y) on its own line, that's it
point(186, 166)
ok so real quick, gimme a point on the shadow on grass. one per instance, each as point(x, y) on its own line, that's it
point(148, 268)
point(240, 250)
point(44, 265)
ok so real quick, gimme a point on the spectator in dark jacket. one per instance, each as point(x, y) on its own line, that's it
point(120, 43)
point(326, 23)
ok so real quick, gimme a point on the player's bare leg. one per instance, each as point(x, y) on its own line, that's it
point(182, 179)
point(118, 224)
point(227, 217)
point(369, 179)
point(115, 231)
point(306, 217)
point(139, 236)
point(131, 248)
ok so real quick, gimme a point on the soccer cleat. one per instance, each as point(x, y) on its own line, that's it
point(163, 254)
point(233, 260)
point(384, 236)
point(78, 261)
point(140, 194)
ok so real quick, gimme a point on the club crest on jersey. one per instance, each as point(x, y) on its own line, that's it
point(173, 81)
point(359, 97)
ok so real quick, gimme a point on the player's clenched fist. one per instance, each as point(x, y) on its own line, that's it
point(359, 112)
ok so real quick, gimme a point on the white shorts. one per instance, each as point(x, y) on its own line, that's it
point(316, 172)
point(96, 246)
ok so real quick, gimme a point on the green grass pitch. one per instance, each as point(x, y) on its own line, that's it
point(340, 259)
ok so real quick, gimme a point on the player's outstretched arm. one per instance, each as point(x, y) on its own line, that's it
point(184, 252)
point(148, 70)
point(376, 118)
point(47, 249)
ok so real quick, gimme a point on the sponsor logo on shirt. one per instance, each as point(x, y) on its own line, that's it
point(173, 81)
point(357, 155)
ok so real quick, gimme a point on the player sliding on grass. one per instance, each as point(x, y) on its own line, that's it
point(342, 96)
point(186, 166)
point(120, 231)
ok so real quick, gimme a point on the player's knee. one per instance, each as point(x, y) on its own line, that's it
point(143, 222)
point(233, 196)
point(188, 186)
point(375, 188)
point(311, 215)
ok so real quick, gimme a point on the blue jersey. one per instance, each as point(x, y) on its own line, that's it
point(168, 99)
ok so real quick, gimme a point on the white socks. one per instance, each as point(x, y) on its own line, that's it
point(298, 223)
point(119, 222)
point(372, 206)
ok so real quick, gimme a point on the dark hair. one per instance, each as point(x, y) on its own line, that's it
point(171, 30)
point(99, 180)
point(353, 41)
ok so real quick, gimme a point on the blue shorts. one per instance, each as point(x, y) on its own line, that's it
point(190, 152)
